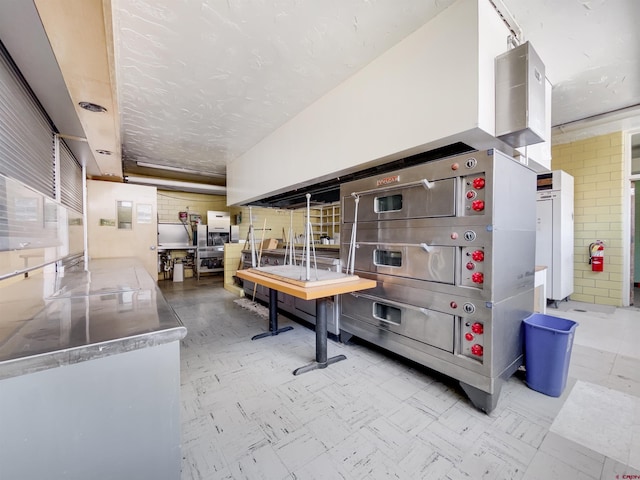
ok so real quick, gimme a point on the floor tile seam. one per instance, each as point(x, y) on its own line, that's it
point(590, 452)
point(291, 472)
point(576, 341)
point(425, 445)
point(616, 387)
point(334, 453)
point(565, 464)
point(236, 462)
point(536, 420)
point(505, 463)
point(628, 455)
point(497, 438)
point(613, 352)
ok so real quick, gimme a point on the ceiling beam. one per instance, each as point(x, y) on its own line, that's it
point(80, 35)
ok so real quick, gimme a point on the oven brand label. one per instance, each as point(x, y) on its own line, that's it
point(387, 180)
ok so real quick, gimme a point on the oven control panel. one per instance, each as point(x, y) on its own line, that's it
point(472, 339)
point(473, 267)
point(474, 194)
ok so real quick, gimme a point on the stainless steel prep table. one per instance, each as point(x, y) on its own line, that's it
point(89, 375)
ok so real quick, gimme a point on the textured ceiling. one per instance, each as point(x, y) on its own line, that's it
point(201, 82)
point(591, 51)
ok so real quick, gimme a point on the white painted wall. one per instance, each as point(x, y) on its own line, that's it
point(106, 241)
point(432, 89)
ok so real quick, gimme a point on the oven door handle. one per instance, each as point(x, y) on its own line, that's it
point(424, 182)
point(390, 302)
point(426, 248)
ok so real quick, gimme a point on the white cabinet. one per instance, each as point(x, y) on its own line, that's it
point(554, 232)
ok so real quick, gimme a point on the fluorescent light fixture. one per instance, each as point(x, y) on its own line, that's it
point(176, 185)
point(179, 169)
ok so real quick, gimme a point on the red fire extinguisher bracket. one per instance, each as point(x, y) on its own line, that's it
point(596, 256)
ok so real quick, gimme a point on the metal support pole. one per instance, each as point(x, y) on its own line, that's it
point(321, 341)
point(321, 331)
point(273, 310)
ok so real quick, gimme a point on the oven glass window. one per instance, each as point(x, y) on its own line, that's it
point(387, 313)
point(392, 203)
point(387, 258)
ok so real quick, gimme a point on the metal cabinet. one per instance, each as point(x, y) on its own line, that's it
point(209, 260)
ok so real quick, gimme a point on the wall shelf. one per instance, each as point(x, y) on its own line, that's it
point(325, 222)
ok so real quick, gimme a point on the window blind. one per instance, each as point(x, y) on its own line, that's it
point(26, 133)
point(70, 179)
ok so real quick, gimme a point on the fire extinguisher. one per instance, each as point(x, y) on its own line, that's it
point(596, 256)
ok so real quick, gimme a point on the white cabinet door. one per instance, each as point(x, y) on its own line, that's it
point(544, 238)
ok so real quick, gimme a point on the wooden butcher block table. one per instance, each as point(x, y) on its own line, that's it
point(322, 287)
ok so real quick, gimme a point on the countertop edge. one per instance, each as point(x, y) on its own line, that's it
point(70, 356)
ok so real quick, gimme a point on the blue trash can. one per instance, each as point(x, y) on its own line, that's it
point(547, 351)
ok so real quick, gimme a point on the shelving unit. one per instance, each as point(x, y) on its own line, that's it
point(325, 221)
point(331, 216)
point(209, 260)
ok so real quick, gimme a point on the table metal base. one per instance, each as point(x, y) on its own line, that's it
point(318, 365)
point(271, 333)
point(321, 341)
point(273, 318)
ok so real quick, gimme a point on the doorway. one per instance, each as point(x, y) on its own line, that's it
point(634, 294)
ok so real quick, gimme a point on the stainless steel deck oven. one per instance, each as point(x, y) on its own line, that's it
point(451, 244)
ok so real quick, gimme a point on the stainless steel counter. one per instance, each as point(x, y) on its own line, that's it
point(51, 319)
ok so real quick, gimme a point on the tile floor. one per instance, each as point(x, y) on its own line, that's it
point(245, 416)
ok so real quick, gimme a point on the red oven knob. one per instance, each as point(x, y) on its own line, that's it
point(477, 205)
point(477, 350)
point(471, 265)
point(478, 255)
point(478, 183)
point(477, 328)
point(468, 336)
point(477, 277)
point(453, 305)
point(471, 194)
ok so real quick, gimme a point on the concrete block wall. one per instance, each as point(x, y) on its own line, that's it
point(597, 165)
point(170, 203)
point(232, 256)
point(276, 221)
